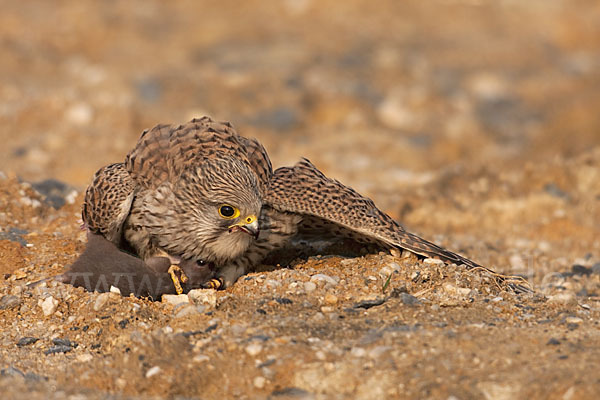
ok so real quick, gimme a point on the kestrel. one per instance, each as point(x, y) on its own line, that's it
point(200, 193)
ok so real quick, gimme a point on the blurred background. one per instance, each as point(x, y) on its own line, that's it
point(378, 94)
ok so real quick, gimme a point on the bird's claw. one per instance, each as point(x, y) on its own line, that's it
point(173, 269)
point(214, 283)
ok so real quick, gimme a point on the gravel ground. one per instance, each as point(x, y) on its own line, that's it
point(472, 123)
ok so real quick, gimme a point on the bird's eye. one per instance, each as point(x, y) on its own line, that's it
point(228, 212)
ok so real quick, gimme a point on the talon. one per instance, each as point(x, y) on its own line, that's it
point(214, 283)
point(173, 269)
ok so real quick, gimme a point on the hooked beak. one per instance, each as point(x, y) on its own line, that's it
point(248, 225)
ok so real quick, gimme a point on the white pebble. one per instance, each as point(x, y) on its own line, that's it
point(379, 351)
point(153, 371)
point(358, 352)
point(79, 114)
point(189, 310)
point(201, 358)
point(259, 382)
point(325, 278)
point(309, 286)
point(175, 299)
point(433, 261)
point(101, 301)
point(271, 283)
point(573, 320)
point(253, 349)
point(49, 305)
point(86, 357)
point(114, 290)
point(203, 296)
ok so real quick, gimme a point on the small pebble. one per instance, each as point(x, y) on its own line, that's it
point(253, 349)
point(79, 114)
point(325, 278)
point(433, 261)
point(49, 305)
point(573, 320)
point(455, 290)
point(27, 340)
point(331, 298)
point(579, 269)
point(309, 286)
point(326, 309)
point(101, 301)
point(175, 299)
point(189, 310)
point(358, 352)
point(63, 342)
point(596, 268)
point(9, 301)
point(115, 290)
point(201, 358)
point(12, 371)
point(409, 300)
point(203, 296)
point(378, 351)
point(259, 382)
point(153, 371)
point(58, 349)
point(271, 284)
point(85, 357)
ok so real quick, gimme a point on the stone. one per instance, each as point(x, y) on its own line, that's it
point(189, 310)
point(203, 296)
point(259, 382)
point(358, 352)
point(9, 301)
point(325, 278)
point(27, 340)
point(433, 261)
point(378, 351)
point(101, 301)
point(153, 371)
point(49, 305)
point(409, 300)
point(253, 349)
point(309, 286)
point(86, 357)
point(114, 290)
point(175, 299)
point(331, 299)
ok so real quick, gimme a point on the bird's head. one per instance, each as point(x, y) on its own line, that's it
point(221, 199)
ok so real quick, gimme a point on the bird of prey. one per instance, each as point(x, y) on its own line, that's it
point(200, 193)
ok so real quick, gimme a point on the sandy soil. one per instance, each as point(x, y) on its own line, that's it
point(473, 123)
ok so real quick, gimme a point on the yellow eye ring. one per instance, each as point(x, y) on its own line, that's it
point(228, 212)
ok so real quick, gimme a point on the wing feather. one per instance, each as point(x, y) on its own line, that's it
point(305, 190)
point(108, 201)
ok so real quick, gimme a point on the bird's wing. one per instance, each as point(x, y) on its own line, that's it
point(108, 201)
point(327, 203)
point(166, 151)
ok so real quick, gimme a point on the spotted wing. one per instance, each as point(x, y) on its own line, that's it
point(328, 204)
point(108, 201)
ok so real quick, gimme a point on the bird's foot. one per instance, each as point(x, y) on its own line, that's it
point(214, 283)
point(177, 280)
